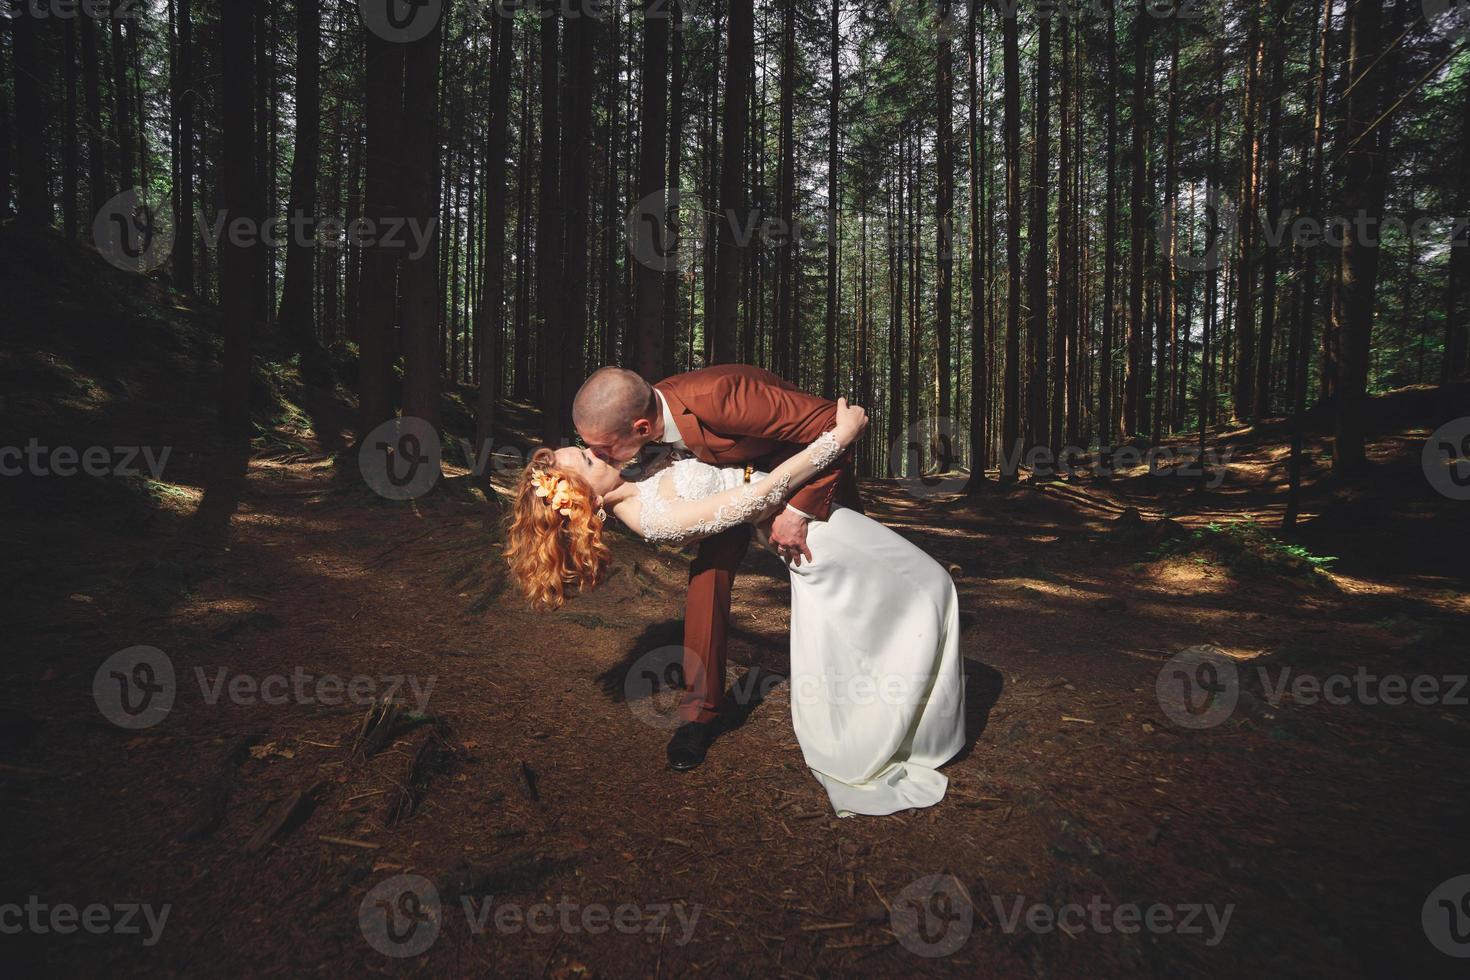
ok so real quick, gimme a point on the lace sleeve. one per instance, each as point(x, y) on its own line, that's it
point(674, 521)
point(694, 508)
point(824, 452)
point(750, 502)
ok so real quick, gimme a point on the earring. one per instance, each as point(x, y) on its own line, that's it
point(601, 514)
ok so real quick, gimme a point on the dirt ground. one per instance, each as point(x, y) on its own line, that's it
point(525, 780)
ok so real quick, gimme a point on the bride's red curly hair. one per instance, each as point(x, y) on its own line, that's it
point(548, 551)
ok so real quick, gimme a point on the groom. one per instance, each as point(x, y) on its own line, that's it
point(730, 415)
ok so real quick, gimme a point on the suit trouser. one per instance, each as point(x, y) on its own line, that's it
point(707, 622)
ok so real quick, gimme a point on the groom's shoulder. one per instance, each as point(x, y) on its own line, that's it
point(718, 376)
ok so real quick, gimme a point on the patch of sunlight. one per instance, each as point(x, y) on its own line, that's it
point(176, 498)
point(1022, 586)
point(1189, 577)
point(1241, 653)
point(1354, 586)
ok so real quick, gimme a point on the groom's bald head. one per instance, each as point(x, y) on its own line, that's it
point(615, 412)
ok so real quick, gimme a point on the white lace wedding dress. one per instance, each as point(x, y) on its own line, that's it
point(877, 689)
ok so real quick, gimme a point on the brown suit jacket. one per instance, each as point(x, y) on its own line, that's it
point(734, 414)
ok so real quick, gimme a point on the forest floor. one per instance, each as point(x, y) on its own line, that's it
point(526, 782)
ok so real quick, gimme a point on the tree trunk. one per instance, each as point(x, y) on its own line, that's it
point(1245, 314)
point(383, 112)
point(183, 94)
point(1452, 364)
point(1364, 184)
point(673, 309)
point(1271, 258)
point(1079, 335)
point(521, 377)
point(739, 66)
point(1062, 322)
point(122, 114)
point(239, 198)
point(491, 312)
point(783, 325)
point(894, 417)
point(1312, 204)
point(1107, 428)
point(32, 81)
point(265, 67)
point(1170, 281)
point(419, 273)
point(1037, 314)
point(5, 137)
point(1135, 377)
point(944, 226)
point(916, 289)
point(1212, 184)
point(297, 314)
point(1011, 407)
point(979, 387)
point(581, 44)
point(648, 328)
point(92, 100)
point(69, 127)
point(549, 246)
point(612, 306)
point(829, 348)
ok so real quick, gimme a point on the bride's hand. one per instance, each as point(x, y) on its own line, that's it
point(851, 421)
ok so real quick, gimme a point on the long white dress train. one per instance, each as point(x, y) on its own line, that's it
point(877, 685)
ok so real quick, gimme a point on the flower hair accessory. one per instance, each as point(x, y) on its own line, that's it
point(556, 490)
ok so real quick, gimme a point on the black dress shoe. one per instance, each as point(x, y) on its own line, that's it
point(690, 742)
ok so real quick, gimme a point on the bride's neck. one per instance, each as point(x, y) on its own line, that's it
point(622, 491)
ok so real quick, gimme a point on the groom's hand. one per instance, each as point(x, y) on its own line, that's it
point(788, 536)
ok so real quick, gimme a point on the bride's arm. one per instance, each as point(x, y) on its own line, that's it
point(676, 520)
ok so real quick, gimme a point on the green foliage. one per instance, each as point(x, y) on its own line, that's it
point(1247, 547)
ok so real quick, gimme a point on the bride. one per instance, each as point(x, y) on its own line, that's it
point(877, 693)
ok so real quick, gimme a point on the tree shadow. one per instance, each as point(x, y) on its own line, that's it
point(330, 417)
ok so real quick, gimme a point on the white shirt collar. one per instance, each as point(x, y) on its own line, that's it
point(671, 429)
